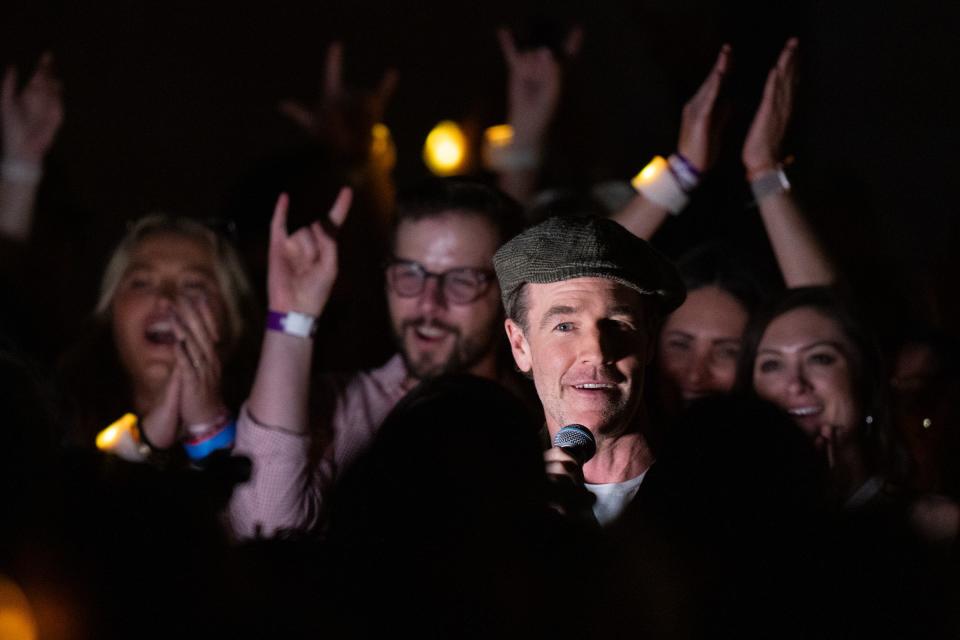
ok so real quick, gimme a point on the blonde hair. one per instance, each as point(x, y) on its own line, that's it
point(228, 270)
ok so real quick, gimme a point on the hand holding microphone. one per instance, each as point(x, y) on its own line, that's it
point(573, 445)
point(577, 441)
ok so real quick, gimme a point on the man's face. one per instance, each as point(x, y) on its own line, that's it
point(435, 333)
point(586, 344)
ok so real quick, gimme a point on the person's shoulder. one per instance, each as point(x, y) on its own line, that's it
point(385, 380)
point(390, 374)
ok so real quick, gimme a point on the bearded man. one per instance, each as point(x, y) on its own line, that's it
point(445, 313)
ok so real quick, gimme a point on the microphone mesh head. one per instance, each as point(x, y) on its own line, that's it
point(576, 440)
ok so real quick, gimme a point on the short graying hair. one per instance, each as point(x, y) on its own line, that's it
point(515, 306)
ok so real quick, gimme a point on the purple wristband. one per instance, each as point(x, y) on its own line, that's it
point(689, 165)
point(292, 323)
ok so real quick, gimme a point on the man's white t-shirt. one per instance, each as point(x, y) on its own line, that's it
point(613, 498)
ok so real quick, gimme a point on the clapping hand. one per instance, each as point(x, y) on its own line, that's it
point(700, 124)
point(192, 396)
point(761, 148)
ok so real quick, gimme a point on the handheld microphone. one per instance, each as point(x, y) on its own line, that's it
point(576, 440)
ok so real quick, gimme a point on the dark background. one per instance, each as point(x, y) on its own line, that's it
point(172, 105)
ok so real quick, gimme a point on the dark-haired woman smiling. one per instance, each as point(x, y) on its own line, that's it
point(808, 354)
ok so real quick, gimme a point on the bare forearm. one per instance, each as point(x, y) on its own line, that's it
point(517, 162)
point(519, 185)
point(281, 385)
point(641, 217)
point(17, 200)
point(802, 259)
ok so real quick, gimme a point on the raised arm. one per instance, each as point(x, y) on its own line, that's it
point(272, 427)
point(302, 268)
point(348, 122)
point(697, 146)
point(341, 117)
point(30, 119)
point(802, 260)
point(534, 82)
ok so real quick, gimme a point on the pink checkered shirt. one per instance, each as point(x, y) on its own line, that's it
point(286, 488)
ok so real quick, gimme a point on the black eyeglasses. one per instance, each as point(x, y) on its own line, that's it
point(460, 286)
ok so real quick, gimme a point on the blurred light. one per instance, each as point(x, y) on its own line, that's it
point(445, 150)
point(653, 169)
point(108, 439)
point(927, 423)
point(382, 150)
point(120, 439)
point(16, 617)
point(500, 135)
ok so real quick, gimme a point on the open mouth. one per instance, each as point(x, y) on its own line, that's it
point(596, 389)
point(802, 412)
point(430, 332)
point(160, 333)
point(690, 396)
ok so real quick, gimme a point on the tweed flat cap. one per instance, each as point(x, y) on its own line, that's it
point(564, 248)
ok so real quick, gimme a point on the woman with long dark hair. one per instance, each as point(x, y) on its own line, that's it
point(808, 353)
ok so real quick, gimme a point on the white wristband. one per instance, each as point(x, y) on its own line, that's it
point(21, 171)
point(658, 185)
point(769, 183)
point(292, 323)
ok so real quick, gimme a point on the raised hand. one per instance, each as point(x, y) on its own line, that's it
point(201, 402)
point(761, 148)
point(302, 267)
point(533, 86)
point(699, 123)
point(825, 441)
point(341, 117)
point(162, 423)
point(31, 118)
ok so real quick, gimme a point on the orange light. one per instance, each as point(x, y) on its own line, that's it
point(653, 169)
point(17, 621)
point(445, 150)
point(500, 135)
point(382, 149)
point(120, 438)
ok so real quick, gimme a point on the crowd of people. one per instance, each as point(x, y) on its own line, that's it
point(199, 462)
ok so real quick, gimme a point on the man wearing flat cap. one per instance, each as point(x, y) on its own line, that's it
point(584, 298)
